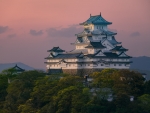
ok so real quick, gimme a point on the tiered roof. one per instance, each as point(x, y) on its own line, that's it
point(55, 49)
point(96, 20)
point(95, 45)
point(119, 48)
point(101, 54)
point(67, 55)
point(112, 41)
point(18, 69)
point(96, 32)
point(84, 51)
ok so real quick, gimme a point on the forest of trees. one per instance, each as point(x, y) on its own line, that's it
point(34, 92)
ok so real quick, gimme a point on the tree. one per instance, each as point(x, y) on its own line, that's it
point(103, 83)
point(147, 87)
point(3, 87)
point(129, 82)
point(19, 90)
point(144, 103)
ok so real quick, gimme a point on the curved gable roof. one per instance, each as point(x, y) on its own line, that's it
point(55, 49)
point(97, 20)
point(95, 45)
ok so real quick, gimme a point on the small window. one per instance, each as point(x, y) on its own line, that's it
point(119, 64)
point(102, 64)
point(114, 64)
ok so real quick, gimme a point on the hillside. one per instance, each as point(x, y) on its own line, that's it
point(141, 64)
point(10, 65)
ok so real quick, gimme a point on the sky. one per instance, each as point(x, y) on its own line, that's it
point(28, 28)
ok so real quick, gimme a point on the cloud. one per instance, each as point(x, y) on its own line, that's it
point(70, 31)
point(3, 29)
point(11, 35)
point(135, 34)
point(36, 33)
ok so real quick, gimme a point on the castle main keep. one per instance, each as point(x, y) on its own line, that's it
point(95, 49)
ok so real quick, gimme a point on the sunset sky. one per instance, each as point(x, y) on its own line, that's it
point(28, 28)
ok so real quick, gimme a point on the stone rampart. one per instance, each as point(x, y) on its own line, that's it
point(79, 72)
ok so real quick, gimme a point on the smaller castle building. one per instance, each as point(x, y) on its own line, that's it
point(95, 49)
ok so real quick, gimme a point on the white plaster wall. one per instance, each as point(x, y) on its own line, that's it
point(100, 27)
point(88, 66)
point(80, 46)
point(89, 26)
point(74, 65)
point(91, 51)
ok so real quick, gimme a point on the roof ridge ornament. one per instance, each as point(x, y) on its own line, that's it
point(100, 13)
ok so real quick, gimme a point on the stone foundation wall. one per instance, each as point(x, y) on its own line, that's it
point(79, 72)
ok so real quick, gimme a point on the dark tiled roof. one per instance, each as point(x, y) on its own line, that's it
point(62, 56)
point(119, 48)
point(18, 69)
point(108, 33)
point(96, 32)
point(109, 54)
point(97, 20)
point(126, 56)
point(56, 49)
point(112, 55)
point(95, 45)
point(80, 39)
point(112, 41)
point(103, 32)
point(85, 51)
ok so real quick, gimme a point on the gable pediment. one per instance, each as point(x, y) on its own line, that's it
point(107, 43)
point(51, 55)
point(122, 55)
point(81, 55)
point(58, 49)
point(100, 53)
point(85, 57)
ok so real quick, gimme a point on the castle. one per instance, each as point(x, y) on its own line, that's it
point(95, 49)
